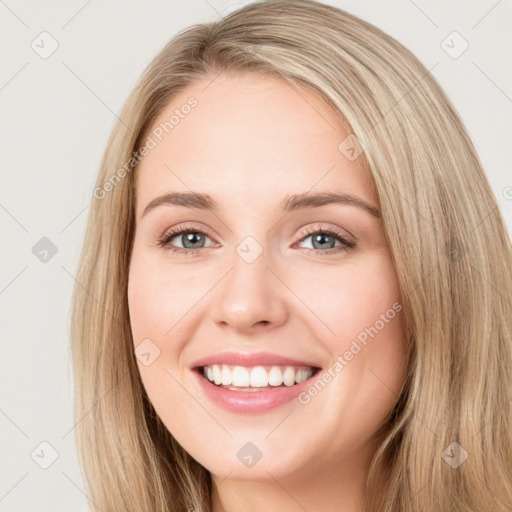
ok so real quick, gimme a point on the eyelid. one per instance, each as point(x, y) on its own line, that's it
point(315, 228)
point(180, 228)
point(346, 242)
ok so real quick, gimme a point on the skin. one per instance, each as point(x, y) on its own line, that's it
point(259, 134)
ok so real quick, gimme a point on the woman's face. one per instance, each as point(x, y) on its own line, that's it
point(272, 287)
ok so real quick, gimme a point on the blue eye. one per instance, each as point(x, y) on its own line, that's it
point(188, 236)
point(193, 239)
point(327, 239)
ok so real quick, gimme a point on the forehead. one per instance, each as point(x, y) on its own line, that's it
point(248, 132)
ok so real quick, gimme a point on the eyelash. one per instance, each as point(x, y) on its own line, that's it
point(164, 241)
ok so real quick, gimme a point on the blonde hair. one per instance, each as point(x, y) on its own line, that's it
point(450, 248)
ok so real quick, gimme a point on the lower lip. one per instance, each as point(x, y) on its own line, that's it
point(251, 401)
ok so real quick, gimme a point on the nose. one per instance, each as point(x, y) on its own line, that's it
point(251, 297)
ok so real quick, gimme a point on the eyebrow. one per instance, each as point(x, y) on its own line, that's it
point(290, 203)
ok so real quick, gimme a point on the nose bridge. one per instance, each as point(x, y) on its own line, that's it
point(247, 296)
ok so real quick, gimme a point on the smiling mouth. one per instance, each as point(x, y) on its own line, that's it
point(255, 378)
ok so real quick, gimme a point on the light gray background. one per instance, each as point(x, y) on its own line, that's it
point(56, 114)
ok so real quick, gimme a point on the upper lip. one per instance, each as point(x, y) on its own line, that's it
point(250, 359)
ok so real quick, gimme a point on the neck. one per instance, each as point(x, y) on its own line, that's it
point(323, 486)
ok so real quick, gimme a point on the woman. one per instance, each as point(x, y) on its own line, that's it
point(224, 358)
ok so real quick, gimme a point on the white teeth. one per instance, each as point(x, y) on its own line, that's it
point(257, 376)
point(275, 376)
point(240, 376)
point(289, 376)
point(227, 378)
point(301, 376)
point(217, 377)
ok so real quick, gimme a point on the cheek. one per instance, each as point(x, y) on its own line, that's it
point(344, 300)
point(163, 301)
point(156, 304)
point(360, 323)
point(158, 297)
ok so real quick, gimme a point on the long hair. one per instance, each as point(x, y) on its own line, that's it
point(447, 444)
